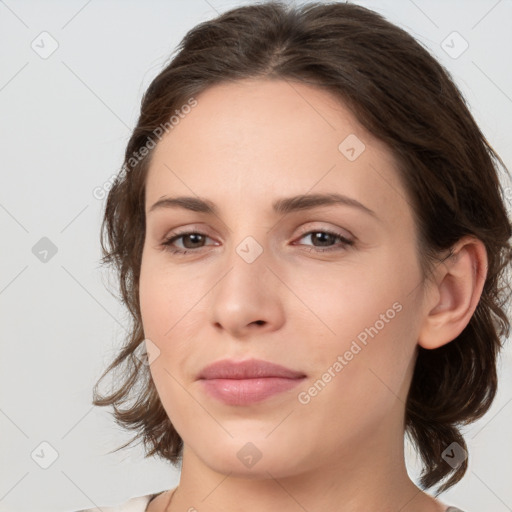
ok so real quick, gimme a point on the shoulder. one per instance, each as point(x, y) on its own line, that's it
point(137, 504)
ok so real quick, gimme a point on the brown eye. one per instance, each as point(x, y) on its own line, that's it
point(195, 239)
point(325, 237)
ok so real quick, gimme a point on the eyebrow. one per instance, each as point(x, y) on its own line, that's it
point(280, 206)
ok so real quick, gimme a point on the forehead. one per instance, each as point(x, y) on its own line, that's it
point(250, 140)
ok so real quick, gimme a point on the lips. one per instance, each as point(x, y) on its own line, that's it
point(246, 382)
point(248, 369)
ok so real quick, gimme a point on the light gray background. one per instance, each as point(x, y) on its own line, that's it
point(65, 120)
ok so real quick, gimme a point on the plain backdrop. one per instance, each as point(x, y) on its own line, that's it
point(71, 78)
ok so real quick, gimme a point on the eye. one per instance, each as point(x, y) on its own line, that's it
point(196, 238)
point(324, 236)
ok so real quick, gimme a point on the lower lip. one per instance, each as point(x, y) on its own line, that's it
point(247, 391)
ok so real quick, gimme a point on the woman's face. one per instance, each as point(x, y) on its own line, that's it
point(273, 284)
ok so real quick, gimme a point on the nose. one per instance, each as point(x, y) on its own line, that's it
point(248, 297)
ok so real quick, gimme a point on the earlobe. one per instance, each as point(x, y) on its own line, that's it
point(458, 285)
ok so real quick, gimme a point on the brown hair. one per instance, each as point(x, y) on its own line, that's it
point(403, 96)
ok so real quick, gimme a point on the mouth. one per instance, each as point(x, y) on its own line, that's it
point(247, 382)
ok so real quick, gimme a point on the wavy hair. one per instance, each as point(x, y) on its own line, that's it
point(401, 94)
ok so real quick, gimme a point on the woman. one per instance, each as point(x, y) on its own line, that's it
point(312, 240)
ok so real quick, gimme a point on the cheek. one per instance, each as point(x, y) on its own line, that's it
point(152, 302)
point(347, 300)
point(363, 372)
point(164, 300)
point(369, 318)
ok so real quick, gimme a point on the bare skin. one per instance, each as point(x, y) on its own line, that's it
point(339, 448)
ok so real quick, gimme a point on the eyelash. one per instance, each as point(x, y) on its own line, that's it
point(181, 252)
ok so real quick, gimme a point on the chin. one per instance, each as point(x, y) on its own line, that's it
point(251, 459)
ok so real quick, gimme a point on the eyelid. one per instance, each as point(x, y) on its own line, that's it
point(339, 231)
point(304, 229)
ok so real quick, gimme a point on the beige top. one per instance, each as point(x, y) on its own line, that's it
point(138, 504)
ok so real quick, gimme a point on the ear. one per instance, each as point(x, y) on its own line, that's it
point(453, 293)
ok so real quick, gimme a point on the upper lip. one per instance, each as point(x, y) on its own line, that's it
point(247, 369)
